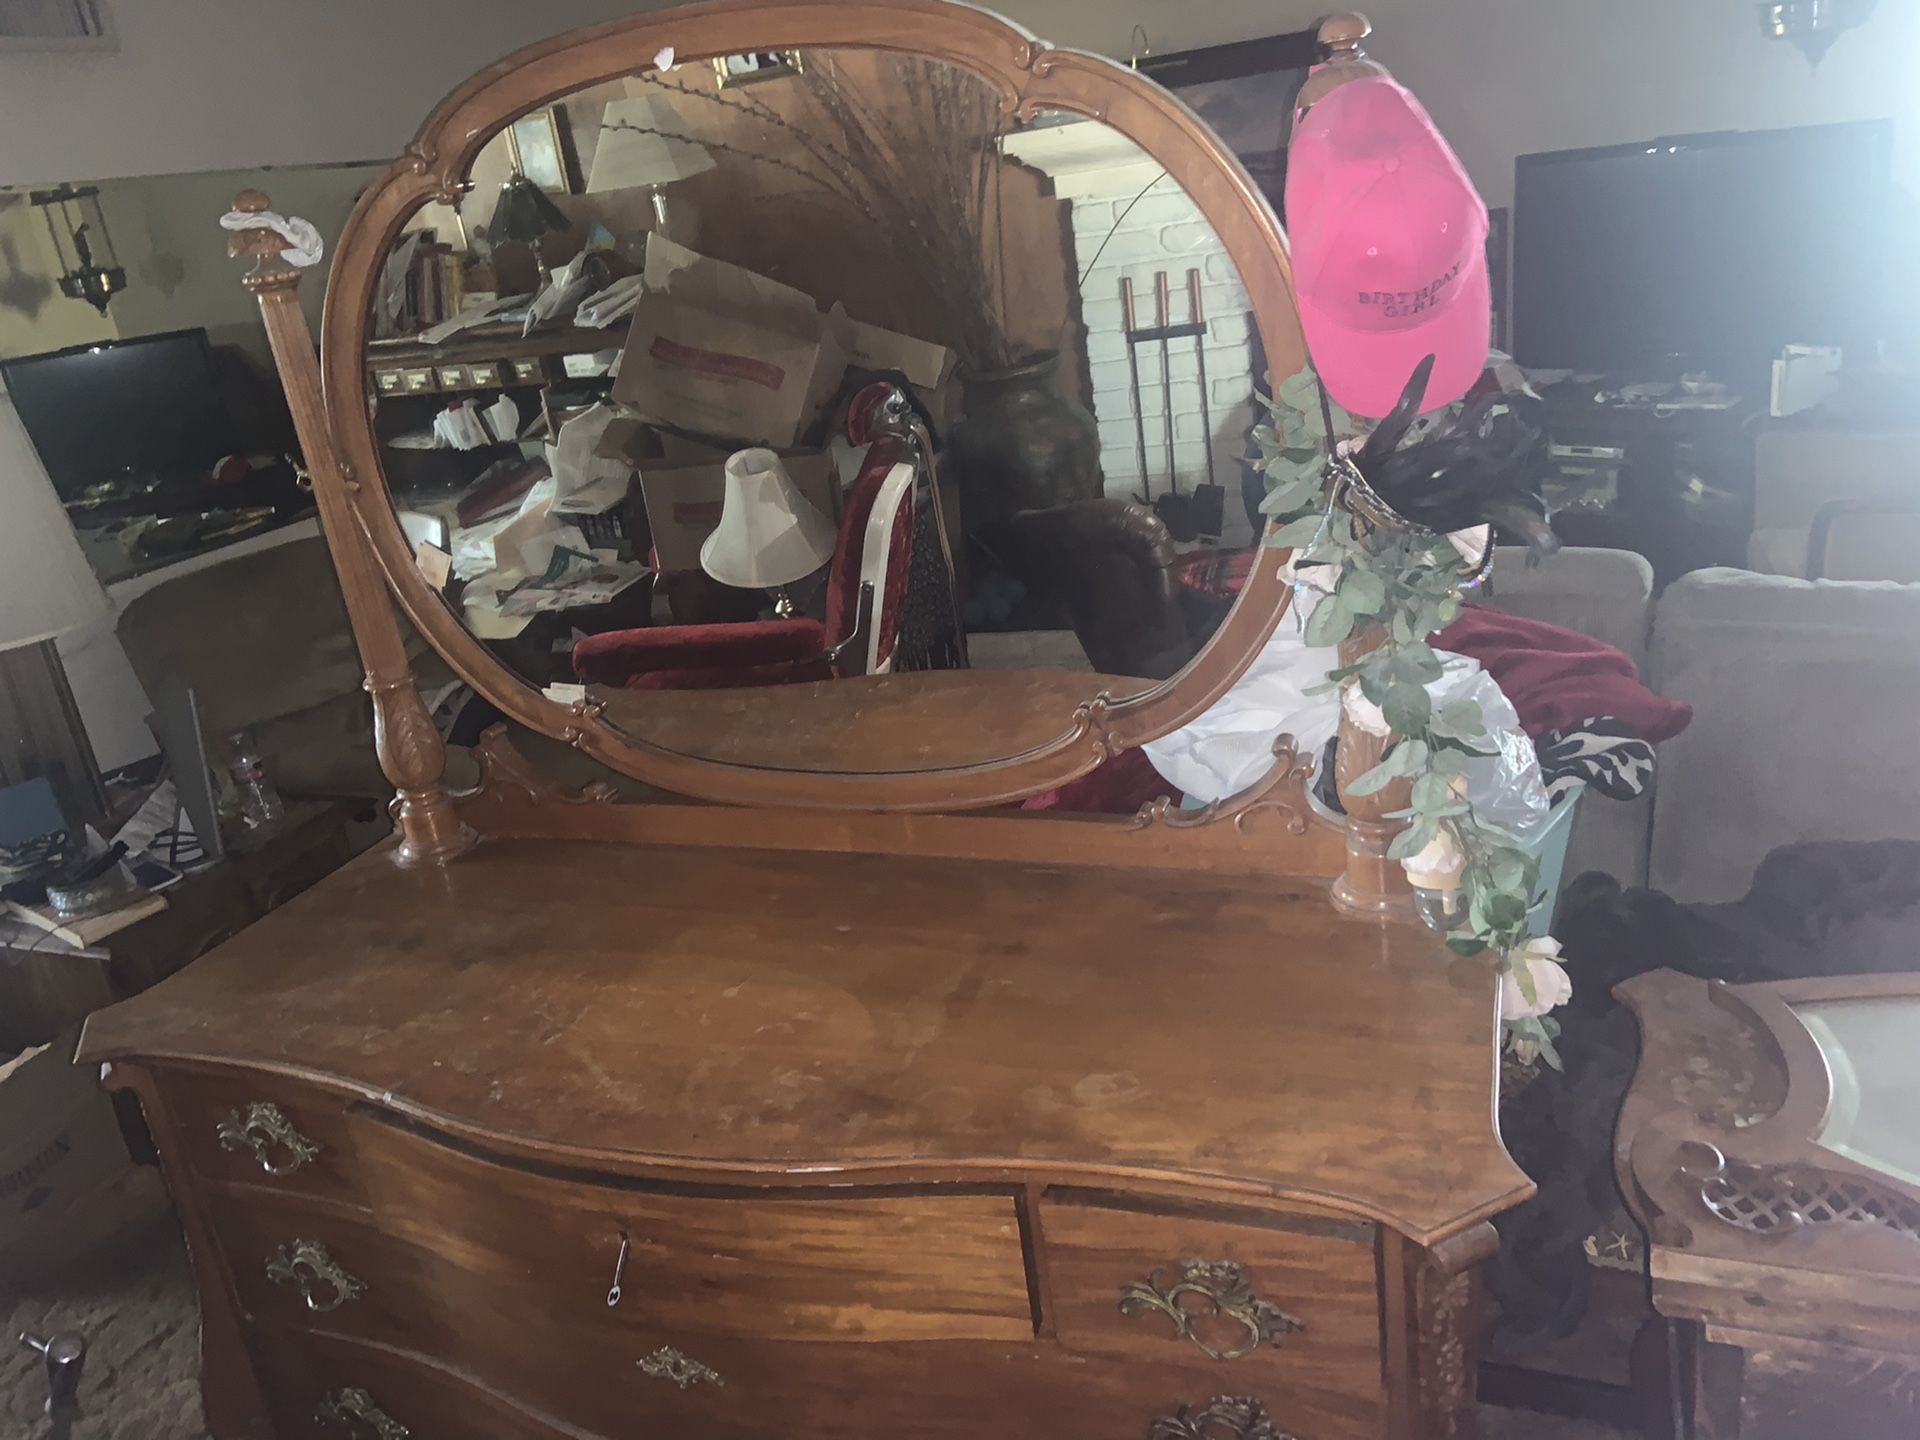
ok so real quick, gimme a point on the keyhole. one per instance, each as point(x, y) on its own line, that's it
point(619, 1269)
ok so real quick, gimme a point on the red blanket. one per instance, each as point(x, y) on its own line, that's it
point(1556, 678)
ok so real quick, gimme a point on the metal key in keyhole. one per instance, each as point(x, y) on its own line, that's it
point(619, 1268)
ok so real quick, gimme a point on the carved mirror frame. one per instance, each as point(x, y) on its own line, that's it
point(1031, 77)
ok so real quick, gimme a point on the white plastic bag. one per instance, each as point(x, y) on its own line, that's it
point(1230, 746)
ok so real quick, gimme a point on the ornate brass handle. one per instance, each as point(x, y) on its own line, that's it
point(306, 1263)
point(667, 1363)
point(353, 1409)
point(1223, 1284)
point(1225, 1417)
point(259, 1128)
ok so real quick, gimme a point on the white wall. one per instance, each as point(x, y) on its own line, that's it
point(1511, 77)
point(235, 84)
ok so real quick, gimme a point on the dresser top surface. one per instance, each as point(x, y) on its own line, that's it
point(774, 1013)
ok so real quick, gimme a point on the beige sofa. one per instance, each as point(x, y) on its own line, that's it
point(1806, 699)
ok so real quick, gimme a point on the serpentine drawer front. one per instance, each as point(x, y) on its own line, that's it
point(884, 1266)
point(261, 1130)
point(324, 1388)
point(1288, 1313)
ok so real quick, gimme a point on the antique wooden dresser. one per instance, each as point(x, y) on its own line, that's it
point(810, 1087)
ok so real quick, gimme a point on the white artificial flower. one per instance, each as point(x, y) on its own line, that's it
point(1438, 866)
point(1552, 986)
point(1319, 577)
point(1472, 543)
point(1364, 714)
point(664, 60)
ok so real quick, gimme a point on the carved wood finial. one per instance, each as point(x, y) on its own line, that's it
point(1343, 37)
point(260, 245)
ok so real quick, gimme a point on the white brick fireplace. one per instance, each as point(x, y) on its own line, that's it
point(1130, 219)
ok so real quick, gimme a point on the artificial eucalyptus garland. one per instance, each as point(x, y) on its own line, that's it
point(1405, 581)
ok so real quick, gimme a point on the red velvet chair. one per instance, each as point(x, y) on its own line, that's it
point(866, 590)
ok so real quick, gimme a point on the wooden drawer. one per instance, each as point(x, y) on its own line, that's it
point(1288, 1314)
point(878, 1267)
point(303, 1134)
point(740, 1390)
point(307, 1375)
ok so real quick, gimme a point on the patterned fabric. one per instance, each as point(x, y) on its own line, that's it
point(1217, 572)
point(1602, 753)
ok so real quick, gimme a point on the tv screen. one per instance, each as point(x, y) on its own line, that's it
point(1707, 252)
point(122, 412)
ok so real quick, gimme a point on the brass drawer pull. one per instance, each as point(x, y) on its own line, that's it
point(1224, 1285)
point(667, 1363)
point(354, 1410)
point(1225, 1417)
point(259, 1129)
point(323, 1284)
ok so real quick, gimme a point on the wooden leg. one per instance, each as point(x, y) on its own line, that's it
point(1446, 1328)
point(229, 1392)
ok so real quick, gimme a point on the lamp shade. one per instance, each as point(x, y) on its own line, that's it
point(769, 533)
point(46, 586)
point(642, 143)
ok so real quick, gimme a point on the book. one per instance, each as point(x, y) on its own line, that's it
point(88, 929)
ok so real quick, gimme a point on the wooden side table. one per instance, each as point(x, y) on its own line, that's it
point(47, 986)
point(1770, 1146)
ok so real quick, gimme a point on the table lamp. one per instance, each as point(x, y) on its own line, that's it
point(643, 146)
point(46, 590)
point(524, 215)
point(769, 534)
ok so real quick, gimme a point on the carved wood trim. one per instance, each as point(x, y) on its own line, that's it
point(1030, 77)
point(1282, 791)
point(1446, 1342)
point(412, 754)
point(515, 800)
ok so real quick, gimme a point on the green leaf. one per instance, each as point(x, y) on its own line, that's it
point(1412, 840)
point(1331, 622)
point(1408, 757)
point(1418, 663)
point(1464, 718)
point(1505, 911)
point(1374, 781)
point(1430, 793)
point(1364, 591)
point(1466, 945)
point(1407, 708)
point(1289, 495)
point(1298, 533)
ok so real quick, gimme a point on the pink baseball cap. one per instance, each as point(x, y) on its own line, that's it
point(1389, 242)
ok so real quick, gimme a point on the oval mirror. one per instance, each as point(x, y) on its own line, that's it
point(834, 409)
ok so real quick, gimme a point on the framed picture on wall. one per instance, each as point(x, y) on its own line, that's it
point(539, 149)
point(1245, 91)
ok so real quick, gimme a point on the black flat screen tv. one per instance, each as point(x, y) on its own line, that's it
point(123, 412)
point(1702, 252)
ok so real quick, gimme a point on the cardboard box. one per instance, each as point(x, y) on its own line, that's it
point(684, 501)
point(929, 368)
point(68, 1191)
point(724, 352)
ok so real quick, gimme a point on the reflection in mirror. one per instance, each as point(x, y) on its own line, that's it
point(807, 374)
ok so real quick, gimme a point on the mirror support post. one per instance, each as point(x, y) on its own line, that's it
point(412, 754)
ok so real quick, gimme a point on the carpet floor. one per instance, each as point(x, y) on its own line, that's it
point(138, 1314)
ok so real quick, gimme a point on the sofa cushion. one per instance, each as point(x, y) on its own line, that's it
point(1805, 697)
point(1607, 594)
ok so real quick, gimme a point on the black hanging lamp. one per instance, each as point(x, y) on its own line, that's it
point(1813, 25)
point(90, 270)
